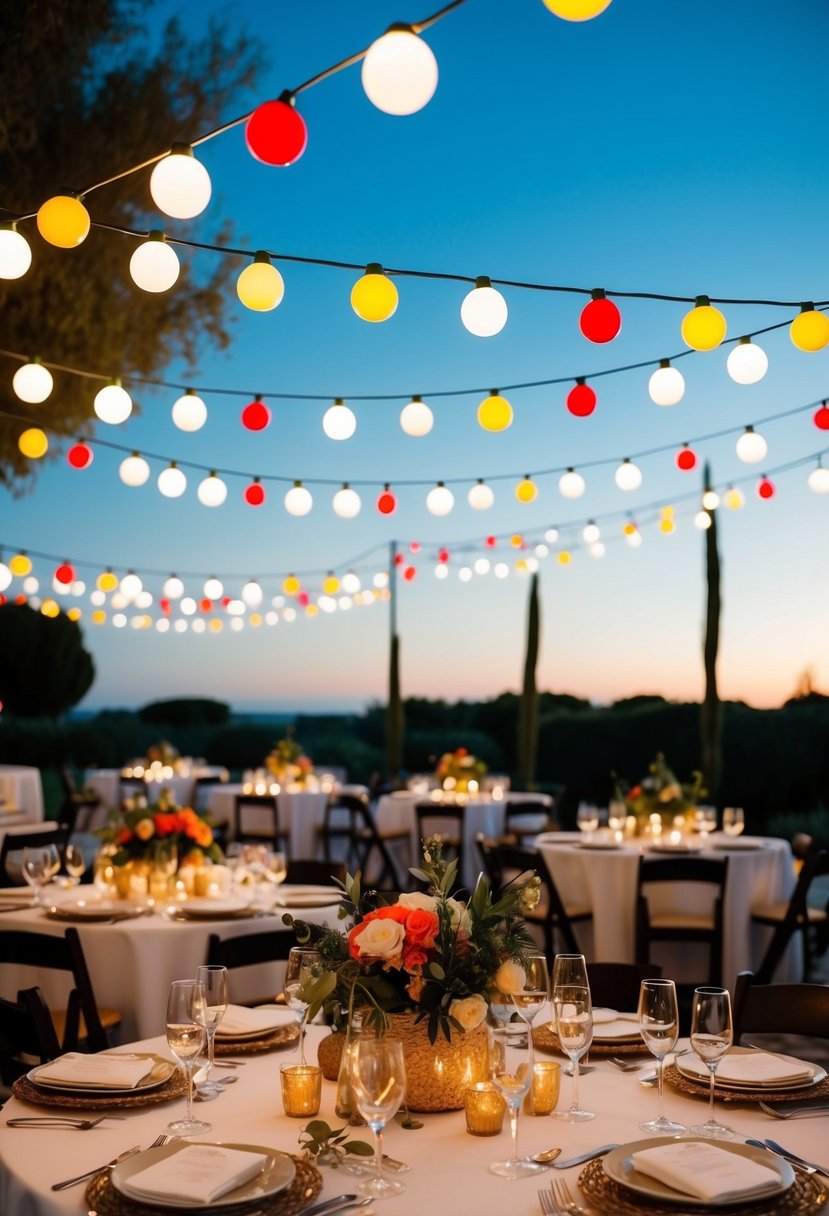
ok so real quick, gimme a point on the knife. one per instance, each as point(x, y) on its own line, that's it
point(582, 1157)
point(335, 1205)
point(785, 1152)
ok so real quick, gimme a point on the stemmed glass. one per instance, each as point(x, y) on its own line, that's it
point(659, 1027)
point(587, 819)
point(214, 980)
point(733, 820)
point(40, 863)
point(74, 863)
point(573, 1011)
point(303, 966)
point(187, 1038)
point(276, 868)
point(378, 1078)
point(512, 1076)
point(712, 1033)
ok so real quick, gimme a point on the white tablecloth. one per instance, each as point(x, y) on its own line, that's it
point(449, 1168)
point(483, 814)
point(301, 812)
point(606, 881)
point(22, 790)
point(106, 782)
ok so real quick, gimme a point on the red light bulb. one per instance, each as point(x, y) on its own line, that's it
point(276, 134)
point(256, 416)
point(206, 605)
point(581, 400)
point(254, 494)
point(80, 456)
point(409, 573)
point(491, 542)
point(765, 488)
point(600, 320)
point(685, 459)
point(414, 546)
point(65, 574)
point(386, 502)
point(821, 418)
point(443, 555)
point(399, 559)
point(303, 599)
point(225, 601)
point(164, 605)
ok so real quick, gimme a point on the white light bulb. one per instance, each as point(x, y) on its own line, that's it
point(162, 625)
point(628, 476)
point(199, 625)
point(212, 491)
point(252, 594)
point(416, 418)
point(351, 583)
point(346, 503)
point(751, 447)
point(399, 72)
point(551, 536)
point(667, 385)
point(134, 470)
point(189, 412)
point(118, 601)
point(173, 587)
point(15, 253)
point(441, 570)
point(33, 383)
point(188, 605)
point(465, 574)
point(484, 310)
point(634, 539)
point(181, 626)
point(171, 482)
point(747, 363)
point(482, 565)
point(381, 580)
point(214, 588)
point(298, 500)
point(143, 599)
point(154, 265)
point(571, 484)
point(597, 549)
point(339, 421)
point(235, 608)
point(542, 551)
point(440, 500)
point(97, 599)
point(130, 586)
point(590, 533)
point(5, 576)
point(710, 500)
point(180, 184)
point(819, 480)
point(702, 520)
point(480, 496)
point(113, 404)
point(119, 620)
point(501, 570)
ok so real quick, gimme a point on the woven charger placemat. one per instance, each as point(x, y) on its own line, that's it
point(102, 1197)
point(806, 1194)
point(176, 1087)
point(699, 1089)
point(546, 1039)
point(281, 1036)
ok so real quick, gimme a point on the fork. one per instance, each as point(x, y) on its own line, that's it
point(548, 1204)
point(629, 1065)
point(81, 1125)
point(566, 1203)
point(67, 1182)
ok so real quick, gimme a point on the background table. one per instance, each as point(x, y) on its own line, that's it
point(106, 782)
point(22, 790)
point(449, 1167)
point(301, 812)
point(606, 881)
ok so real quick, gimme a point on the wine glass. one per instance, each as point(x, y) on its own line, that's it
point(378, 1078)
point(573, 1012)
point(712, 1033)
point(304, 965)
point(187, 1038)
point(103, 871)
point(659, 1027)
point(587, 819)
point(733, 820)
point(276, 867)
point(512, 1075)
point(40, 862)
point(74, 863)
point(214, 980)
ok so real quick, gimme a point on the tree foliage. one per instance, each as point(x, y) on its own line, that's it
point(186, 711)
point(44, 668)
point(88, 91)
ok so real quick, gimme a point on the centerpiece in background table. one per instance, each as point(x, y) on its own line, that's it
point(460, 772)
point(423, 970)
point(154, 847)
point(288, 764)
point(660, 802)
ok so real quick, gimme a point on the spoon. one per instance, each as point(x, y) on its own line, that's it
point(548, 1155)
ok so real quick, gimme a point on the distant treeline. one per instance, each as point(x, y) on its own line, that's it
point(774, 761)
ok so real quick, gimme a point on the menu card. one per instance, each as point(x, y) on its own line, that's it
point(198, 1173)
point(95, 1071)
point(706, 1171)
point(239, 1021)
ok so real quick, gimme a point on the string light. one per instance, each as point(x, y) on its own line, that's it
point(766, 489)
point(154, 265)
point(576, 10)
point(480, 496)
point(20, 565)
point(256, 416)
point(666, 385)
point(15, 252)
point(495, 412)
point(347, 503)
point(710, 499)
point(399, 72)
point(33, 382)
point(339, 422)
point(189, 412)
point(571, 484)
point(63, 221)
point(751, 447)
point(819, 480)
point(581, 400)
point(440, 500)
point(113, 403)
point(33, 443)
point(254, 494)
point(134, 470)
point(212, 491)
point(171, 481)
point(747, 363)
point(600, 320)
point(821, 417)
point(374, 297)
point(214, 588)
point(416, 418)
point(526, 490)
point(590, 533)
point(685, 459)
point(628, 476)
point(809, 331)
point(179, 184)
point(484, 310)
point(386, 501)
point(703, 521)
point(704, 327)
point(260, 286)
point(276, 133)
point(298, 500)
point(734, 498)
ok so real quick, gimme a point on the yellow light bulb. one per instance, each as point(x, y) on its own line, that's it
point(494, 413)
point(629, 529)
point(99, 617)
point(667, 525)
point(564, 558)
point(374, 296)
point(291, 585)
point(704, 327)
point(311, 610)
point(331, 585)
point(526, 490)
point(50, 608)
point(809, 330)
point(74, 614)
point(516, 541)
point(215, 625)
point(521, 565)
point(106, 581)
point(255, 620)
point(20, 565)
point(576, 10)
point(260, 286)
point(734, 499)
point(63, 221)
point(33, 443)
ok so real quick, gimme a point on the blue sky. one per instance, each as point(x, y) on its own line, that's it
point(676, 148)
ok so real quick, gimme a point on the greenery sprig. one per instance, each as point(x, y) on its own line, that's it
point(330, 1145)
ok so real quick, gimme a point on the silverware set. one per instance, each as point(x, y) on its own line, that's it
point(559, 1201)
point(130, 1152)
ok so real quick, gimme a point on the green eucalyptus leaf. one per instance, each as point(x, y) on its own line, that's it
point(359, 1148)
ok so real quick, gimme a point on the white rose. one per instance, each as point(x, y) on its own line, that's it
point(381, 939)
point(510, 978)
point(418, 900)
point(458, 915)
point(470, 1012)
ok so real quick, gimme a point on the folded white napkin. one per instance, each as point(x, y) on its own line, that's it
point(706, 1171)
point(198, 1173)
point(239, 1021)
point(754, 1068)
point(116, 1071)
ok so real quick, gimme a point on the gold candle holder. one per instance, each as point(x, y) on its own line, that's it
point(542, 1095)
point(484, 1109)
point(301, 1089)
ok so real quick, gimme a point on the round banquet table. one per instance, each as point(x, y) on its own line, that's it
point(133, 962)
point(21, 791)
point(106, 783)
point(448, 1167)
point(301, 812)
point(760, 871)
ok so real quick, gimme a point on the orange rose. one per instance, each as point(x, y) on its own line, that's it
point(124, 836)
point(145, 829)
point(422, 928)
point(414, 956)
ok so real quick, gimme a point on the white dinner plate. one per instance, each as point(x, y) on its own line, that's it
point(92, 910)
point(276, 1174)
point(736, 845)
point(598, 844)
point(682, 850)
point(618, 1165)
point(309, 899)
point(282, 1016)
point(162, 1070)
point(692, 1068)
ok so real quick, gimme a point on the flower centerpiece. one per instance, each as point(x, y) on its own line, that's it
point(140, 836)
point(288, 763)
point(163, 753)
point(460, 771)
point(423, 968)
point(662, 794)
